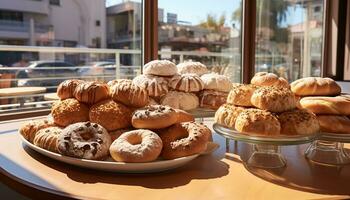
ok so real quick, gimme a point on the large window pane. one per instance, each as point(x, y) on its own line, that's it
point(202, 30)
point(289, 37)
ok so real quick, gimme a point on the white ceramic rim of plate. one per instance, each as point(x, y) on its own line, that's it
point(40, 150)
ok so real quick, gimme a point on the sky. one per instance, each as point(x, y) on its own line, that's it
point(195, 11)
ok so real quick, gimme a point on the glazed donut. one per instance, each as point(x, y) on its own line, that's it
point(66, 89)
point(155, 85)
point(160, 68)
point(154, 117)
point(84, 140)
point(227, 114)
point(184, 139)
point(29, 129)
point(129, 94)
point(315, 86)
point(339, 105)
point(298, 122)
point(91, 92)
point(111, 115)
point(47, 138)
point(187, 83)
point(241, 94)
point(274, 99)
point(190, 67)
point(136, 146)
point(69, 111)
point(218, 82)
point(269, 79)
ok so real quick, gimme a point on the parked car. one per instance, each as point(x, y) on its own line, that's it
point(45, 73)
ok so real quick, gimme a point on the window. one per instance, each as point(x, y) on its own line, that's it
point(55, 2)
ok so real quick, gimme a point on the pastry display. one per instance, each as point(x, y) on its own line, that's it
point(136, 146)
point(241, 94)
point(155, 85)
point(154, 117)
point(269, 79)
point(180, 100)
point(47, 138)
point(227, 114)
point(69, 111)
point(160, 68)
point(334, 124)
point(315, 86)
point(187, 83)
point(66, 89)
point(190, 67)
point(298, 122)
point(212, 99)
point(91, 92)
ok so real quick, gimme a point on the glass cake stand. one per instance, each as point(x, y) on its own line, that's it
point(328, 149)
point(266, 151)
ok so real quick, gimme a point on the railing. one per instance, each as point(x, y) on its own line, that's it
point(17, 26)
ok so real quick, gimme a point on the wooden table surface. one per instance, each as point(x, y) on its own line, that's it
point(51, 96)
point(219, 176)
point(14, 91)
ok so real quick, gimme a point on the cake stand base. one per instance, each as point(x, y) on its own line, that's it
point(327, 153)
point(266, 156)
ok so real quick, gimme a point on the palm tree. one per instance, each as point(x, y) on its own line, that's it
point(212, 22)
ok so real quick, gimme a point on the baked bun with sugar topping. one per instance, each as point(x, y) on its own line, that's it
point(155, 85)
point(91, 92)
point(160, 68)
point(187, 83)
point(154, 117)
point(180, 100)
point(216, 82)
point(269, 79)
point(227, 114)
point(241, 94)
point(192, 68)
point(298, 122)
point(66, 89)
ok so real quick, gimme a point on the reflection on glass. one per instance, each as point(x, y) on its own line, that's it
point(190, 28)
point(289, 37)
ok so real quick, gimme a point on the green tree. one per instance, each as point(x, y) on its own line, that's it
point(212, 22)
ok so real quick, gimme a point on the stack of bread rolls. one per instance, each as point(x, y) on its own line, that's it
point(323, 97)
point(184, 86)
point(267, 106)
point(95, 120)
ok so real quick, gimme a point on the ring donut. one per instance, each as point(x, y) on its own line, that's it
point(184, 139)
point(154, 117)
point(84, 140)
point(136, 146)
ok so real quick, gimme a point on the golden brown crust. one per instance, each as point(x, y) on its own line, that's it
point(193, 139)
point(212, 99)
point(298, 122)
point(129, 94)
point(227, 114)
point(259, 122)
point(192, 68)
point(117, 81)
point(66, 89)
point(69, 111)
point(111, 115)
point(91, 92)
point(154, 117)
point(315, 86)
point(269, 79)
point(339, 105)
point(241, 94)
point(183, 116)
point(29, 129)
point(334, 124)
point(187, 83)
point(47, 138)
point(273, 99)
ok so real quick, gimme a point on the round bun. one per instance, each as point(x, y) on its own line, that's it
point(91, 92)
point(192, 68)
point(136, 146)
point(339, 105)
point(180, 100)
point(298, 122)
point(216, 82)
point(47, 138)
point(156, 86)
point(187, 83)
point(183, 116)
point(241, 94)
point(212, 99)
point(259, 122)
point(269, 79)
point(69, 111)
point(227, 114)
point(66, 89)
point(111, 115)
point(274, 99)
point(129, 94)
point(154, 117)
point(29, 129)
point(184, 139)
point(84, 140)
point(334, 124)
point(160, 68)
point(315, 86)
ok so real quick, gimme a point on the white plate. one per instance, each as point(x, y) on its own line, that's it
point(155, 166)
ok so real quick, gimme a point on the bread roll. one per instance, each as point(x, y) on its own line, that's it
point(269, 79)
point(241, 94)
point(259, 122)
point(155, 85)
point(334, 124)
point(298, 122)
point(315, 86)
point(91, 92)
point(160, 68)
point(227, 114)
point(192, 68)
point(187, 83)
point(274, 99)
point(339, 105)
point(180, 100)
point(216, 82)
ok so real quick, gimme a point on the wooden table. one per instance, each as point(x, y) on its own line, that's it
point(20, 91)
point(218, 176)
point(51, 96)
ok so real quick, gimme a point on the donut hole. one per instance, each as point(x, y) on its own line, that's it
point(87, 135)
point(134, 139)
point(183, 133)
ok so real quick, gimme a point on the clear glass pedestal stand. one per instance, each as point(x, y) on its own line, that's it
point(266, 156)
point(327, 153)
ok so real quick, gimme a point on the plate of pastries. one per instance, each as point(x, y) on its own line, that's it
point(269, 108)
point(116, 127)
